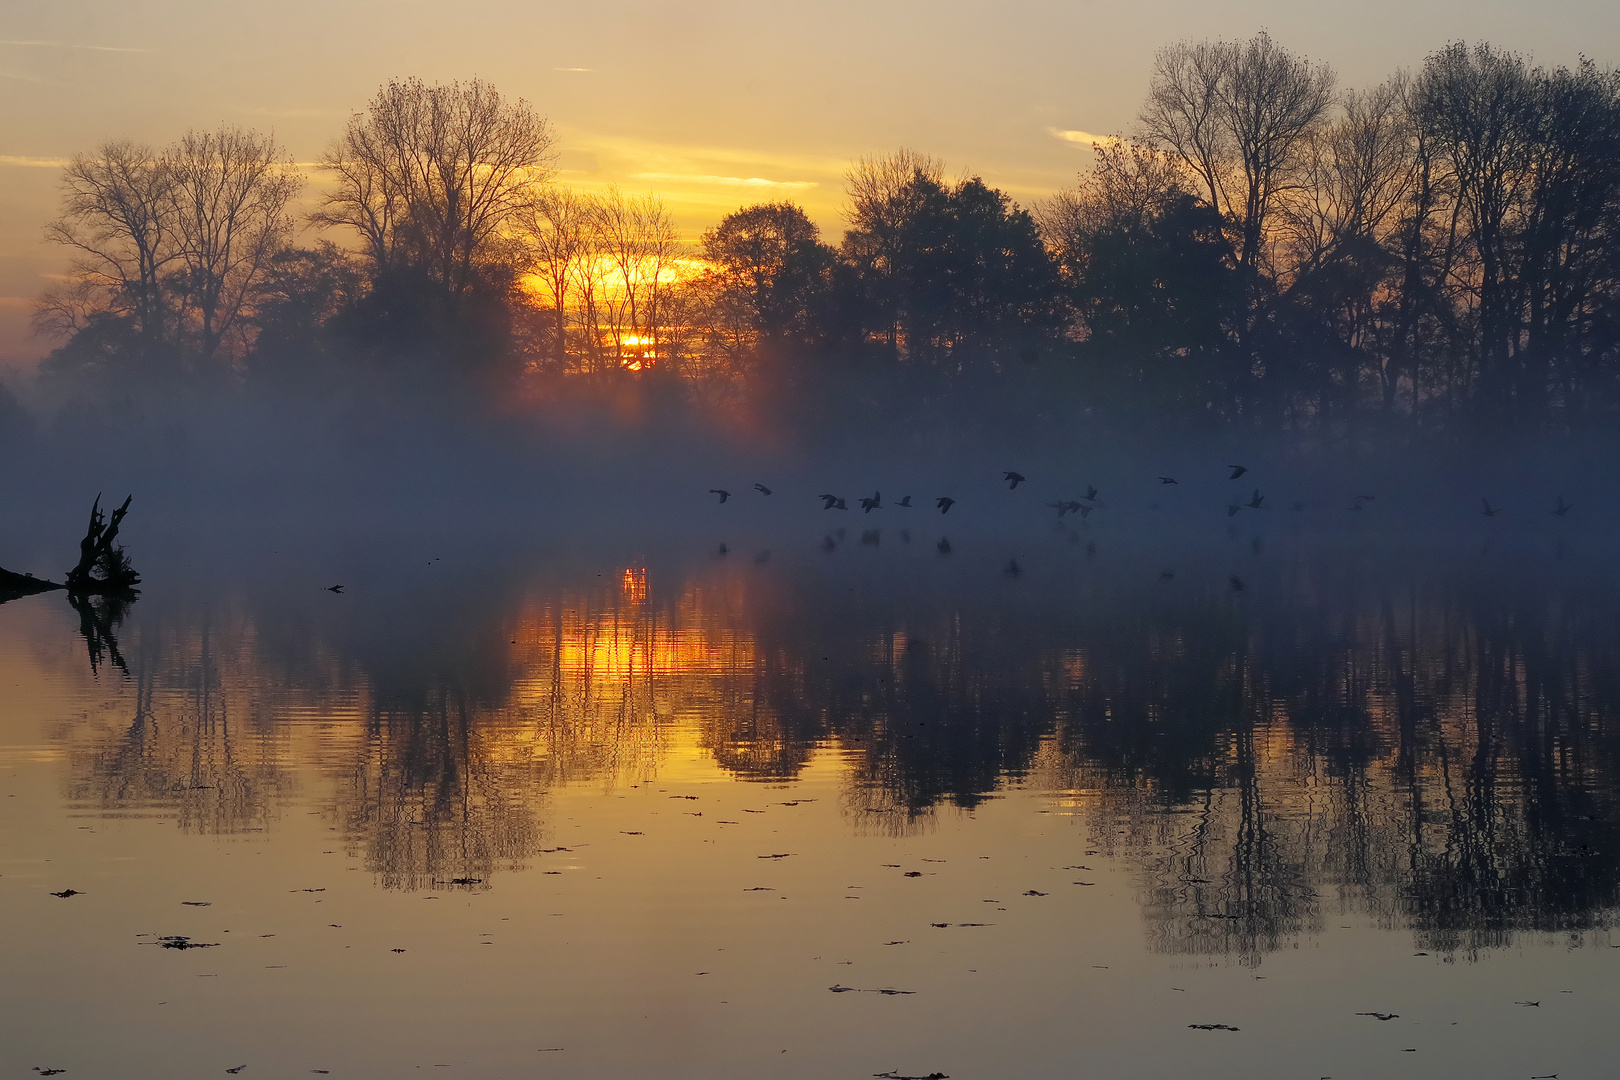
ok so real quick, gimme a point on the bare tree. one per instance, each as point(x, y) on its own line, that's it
point(553, 235)
point(430, 175)
point(116, 217)
point(638, 245)
point(228, 193)
point(1237, 114)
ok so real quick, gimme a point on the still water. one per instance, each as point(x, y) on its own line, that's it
point(820, 808)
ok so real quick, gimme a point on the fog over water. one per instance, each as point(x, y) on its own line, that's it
point(617, 792)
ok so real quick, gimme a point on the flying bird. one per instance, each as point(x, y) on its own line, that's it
point(722, 550)
point(1081, 509)
point(1091, 493)
point(1236, 583)
point(874, 503)
point(1167, 479)
point(1237, 471)
point(1013, 569)
point(1563, 507)
point(724, 495)
point(944, 502)
point(830, 502)
point(1366, 498)
point(905, 502)
point(334, 588)
point(1231, 510)
point(1490, 511)
point(1255, 500)
point(1062, 507)
point(762, 489)
point(944, 546)
point(1013, 479)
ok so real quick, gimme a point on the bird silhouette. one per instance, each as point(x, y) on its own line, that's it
point(762, 489)
point(1255, 500)
point(905, 502)
point(1013, 479)
point(1081, 509)
point(1490, 511)
point(944, 502)
point(1366, 498)
point(334, 588)
point(1237, 471)
point(831, 502)
point(722, 550)
point(1091, 493)
point(1167, 479)
point(944, 546)
point(1236, 583)
point(1167, 575)
point(1013, 569)
point(1563, 507)
point(874, 503)
point(1232, 509)
point(829, 544)
point(1060, 506)
point(724, 495)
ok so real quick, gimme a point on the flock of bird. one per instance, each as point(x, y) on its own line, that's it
point(1089, 502)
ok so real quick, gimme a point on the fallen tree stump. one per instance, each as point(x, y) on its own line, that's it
point(103, 568)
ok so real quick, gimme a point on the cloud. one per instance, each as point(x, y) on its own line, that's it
point(1083, 138)
point(71, 45)
point(723, 181)
point(573, 69)
point(18, 162)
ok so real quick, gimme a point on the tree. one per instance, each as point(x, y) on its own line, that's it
point(1237, 115)
point(228, 193)
point(553, 235)
point(117, 219)
point(950, 270)
point(430, 175)
point(769, 262)
point(169, 245)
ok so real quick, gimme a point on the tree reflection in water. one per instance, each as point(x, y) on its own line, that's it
point(1439, 754)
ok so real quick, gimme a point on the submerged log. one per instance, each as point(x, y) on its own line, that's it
point(14, 585)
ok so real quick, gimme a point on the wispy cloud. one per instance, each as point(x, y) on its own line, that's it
point(16, 161)
point(722, 181)
point(1083, 138)
point(72, 45)
point(573, 69)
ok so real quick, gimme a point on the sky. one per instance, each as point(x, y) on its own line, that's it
point(711, 104)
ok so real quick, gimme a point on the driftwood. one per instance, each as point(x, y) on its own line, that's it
point(103, 568)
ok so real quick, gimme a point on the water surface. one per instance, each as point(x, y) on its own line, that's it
point(816, 808)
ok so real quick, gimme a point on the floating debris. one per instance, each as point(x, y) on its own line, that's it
point(180, 941)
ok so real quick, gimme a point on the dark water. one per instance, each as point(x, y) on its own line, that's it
point(654, 809)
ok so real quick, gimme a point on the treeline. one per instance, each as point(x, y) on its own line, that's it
point(1262, 250)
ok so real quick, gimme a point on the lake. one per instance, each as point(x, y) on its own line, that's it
point(1223, 802)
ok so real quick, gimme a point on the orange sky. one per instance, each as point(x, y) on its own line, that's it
point(709, 103)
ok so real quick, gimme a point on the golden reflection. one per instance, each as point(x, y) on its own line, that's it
point(1427, 761)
